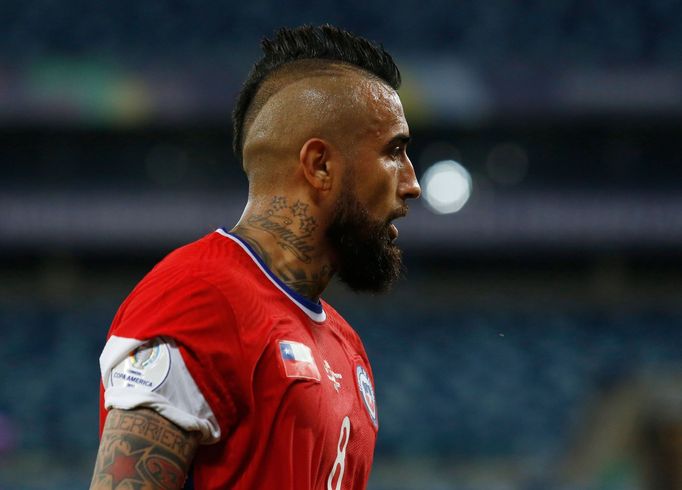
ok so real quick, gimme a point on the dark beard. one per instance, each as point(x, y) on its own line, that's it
point(367, 259)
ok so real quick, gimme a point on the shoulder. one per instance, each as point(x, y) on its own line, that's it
point(188, 287)
point(209, 258)
point(207, 263)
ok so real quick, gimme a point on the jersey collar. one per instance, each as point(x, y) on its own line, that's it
point(313, 309)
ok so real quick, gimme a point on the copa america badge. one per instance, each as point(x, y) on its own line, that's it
point(144, 368)
point(367, 393)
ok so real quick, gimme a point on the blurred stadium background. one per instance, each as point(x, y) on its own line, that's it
point(537, 340)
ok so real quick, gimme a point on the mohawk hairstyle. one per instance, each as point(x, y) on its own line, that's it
point(307, 42)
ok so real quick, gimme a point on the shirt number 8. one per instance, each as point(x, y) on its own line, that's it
point(340, 462)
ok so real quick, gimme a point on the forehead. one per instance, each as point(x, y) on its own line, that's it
point(384, 110)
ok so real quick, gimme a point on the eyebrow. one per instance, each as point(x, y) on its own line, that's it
point(400, 138)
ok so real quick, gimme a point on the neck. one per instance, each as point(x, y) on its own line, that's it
point(288, 238)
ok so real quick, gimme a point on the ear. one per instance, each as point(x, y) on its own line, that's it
point(317, 163)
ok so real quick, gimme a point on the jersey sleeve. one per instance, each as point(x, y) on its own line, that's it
point(168, 341)
point(153, 374)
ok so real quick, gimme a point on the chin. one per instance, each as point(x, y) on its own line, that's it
point(372, 272)
point(367, 257)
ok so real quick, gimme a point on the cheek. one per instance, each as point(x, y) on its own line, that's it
point(380, 189)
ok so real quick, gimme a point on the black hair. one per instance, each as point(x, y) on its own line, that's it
point(307, 42)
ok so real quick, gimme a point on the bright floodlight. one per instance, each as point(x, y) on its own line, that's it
point(447, 186)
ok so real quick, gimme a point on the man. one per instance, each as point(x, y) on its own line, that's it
point(224, 363)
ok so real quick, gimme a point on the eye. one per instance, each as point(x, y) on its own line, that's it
point(396, 152)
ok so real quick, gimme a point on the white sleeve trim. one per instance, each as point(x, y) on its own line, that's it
point(153, 374)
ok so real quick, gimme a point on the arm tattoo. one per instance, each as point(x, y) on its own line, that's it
point(140, 450)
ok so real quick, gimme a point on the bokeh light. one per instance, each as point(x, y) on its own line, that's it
point(447, 186)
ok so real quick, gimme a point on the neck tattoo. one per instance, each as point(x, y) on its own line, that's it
point(279, 219)
point(292, 228)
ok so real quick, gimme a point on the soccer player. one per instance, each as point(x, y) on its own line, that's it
point(223, 363)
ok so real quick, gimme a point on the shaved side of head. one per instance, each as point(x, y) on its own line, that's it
point(326, 57)
point(303, 100)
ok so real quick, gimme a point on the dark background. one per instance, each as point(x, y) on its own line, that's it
point(535, 341)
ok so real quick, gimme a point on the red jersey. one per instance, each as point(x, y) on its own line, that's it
point(279, 386)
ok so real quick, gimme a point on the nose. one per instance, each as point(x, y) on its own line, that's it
point(408, 187)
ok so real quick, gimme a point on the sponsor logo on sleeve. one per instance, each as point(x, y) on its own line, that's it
point(298, 360)
point(145, 368)
point(367, 393)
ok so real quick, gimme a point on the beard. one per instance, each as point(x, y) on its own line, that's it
point(367, 259)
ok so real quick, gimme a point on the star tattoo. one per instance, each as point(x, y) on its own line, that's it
point(278, 203)
point(123, 467)
point(299, 209)
point(307, 225)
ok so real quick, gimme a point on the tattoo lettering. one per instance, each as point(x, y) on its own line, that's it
point(260, 251)
point(167, 435)
point(140, 449)
point(278, 221)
